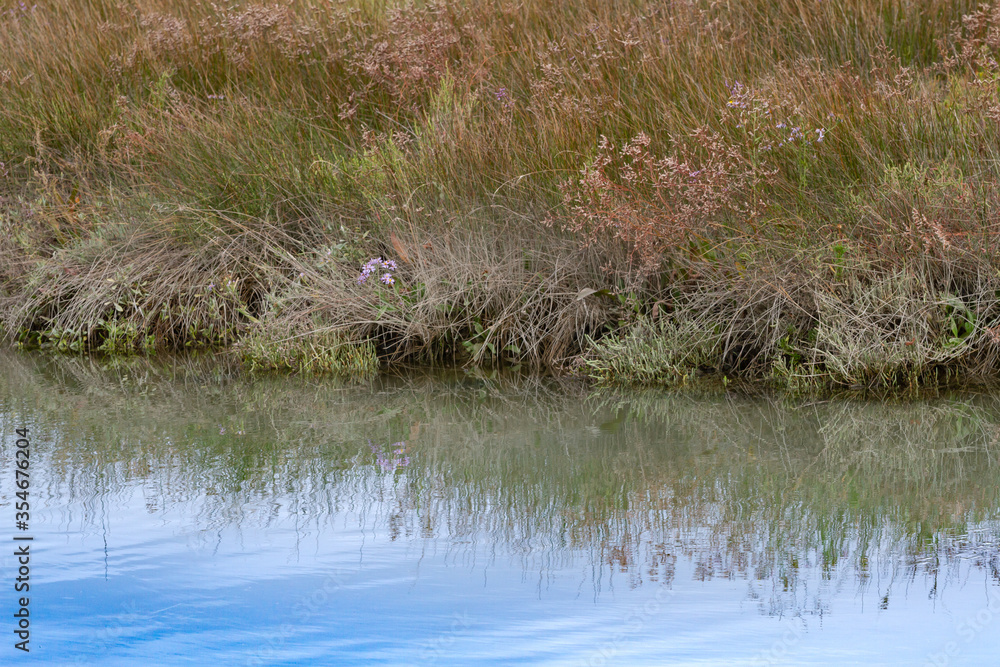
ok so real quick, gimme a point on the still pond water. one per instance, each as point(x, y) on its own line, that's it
point(183, 513)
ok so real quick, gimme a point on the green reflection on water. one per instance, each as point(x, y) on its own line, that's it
point(754, 487)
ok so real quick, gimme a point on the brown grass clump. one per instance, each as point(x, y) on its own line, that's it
point(458, 295)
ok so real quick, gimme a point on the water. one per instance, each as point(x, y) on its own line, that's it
point(185, 514)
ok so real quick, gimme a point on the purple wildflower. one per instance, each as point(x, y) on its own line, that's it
point(368, 268)
point(504, 98)
point(376, 264)
point(738, 96)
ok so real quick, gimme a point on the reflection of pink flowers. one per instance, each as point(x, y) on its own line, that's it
point(389, 464)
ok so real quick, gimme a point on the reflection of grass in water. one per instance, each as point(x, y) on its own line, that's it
point(742, 486)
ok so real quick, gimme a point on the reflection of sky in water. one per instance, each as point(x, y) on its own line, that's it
point(426, 524)
point(337, 591)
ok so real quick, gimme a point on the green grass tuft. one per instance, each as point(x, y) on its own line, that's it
point(311, 352)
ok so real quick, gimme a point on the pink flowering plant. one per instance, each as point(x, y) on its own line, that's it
point(664, 206)
point(712, 184)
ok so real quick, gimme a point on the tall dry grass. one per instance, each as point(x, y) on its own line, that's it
point(750, 168)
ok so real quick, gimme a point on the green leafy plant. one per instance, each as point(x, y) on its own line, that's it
point(960, 322)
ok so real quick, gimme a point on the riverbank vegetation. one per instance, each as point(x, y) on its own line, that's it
point(802, 193)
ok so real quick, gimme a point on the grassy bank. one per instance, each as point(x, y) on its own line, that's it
point(799, 193)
